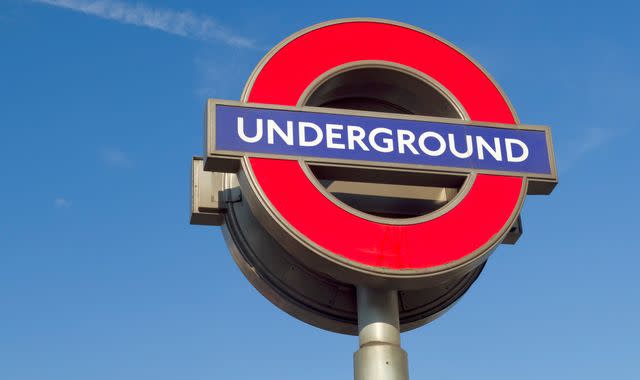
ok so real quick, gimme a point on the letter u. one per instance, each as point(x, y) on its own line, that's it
point(244, 136)
point(452, 146)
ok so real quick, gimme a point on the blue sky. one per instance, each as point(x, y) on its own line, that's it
point(102, 277)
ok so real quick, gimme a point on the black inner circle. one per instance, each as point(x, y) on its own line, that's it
point(386, 193)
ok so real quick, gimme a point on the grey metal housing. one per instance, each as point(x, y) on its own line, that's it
point(300, 291)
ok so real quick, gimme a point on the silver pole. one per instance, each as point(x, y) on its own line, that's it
point(380, 356)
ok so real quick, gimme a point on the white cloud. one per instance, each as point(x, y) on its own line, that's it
point(220, 77)
point(592, 139)
point(116, 157)
point(60, 202)
point(181, 23)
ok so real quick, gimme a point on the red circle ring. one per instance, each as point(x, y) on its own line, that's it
point(462, 235)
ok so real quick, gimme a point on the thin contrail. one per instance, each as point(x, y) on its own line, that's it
point(181, 23)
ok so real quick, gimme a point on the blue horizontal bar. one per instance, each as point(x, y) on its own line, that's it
point(297, 132)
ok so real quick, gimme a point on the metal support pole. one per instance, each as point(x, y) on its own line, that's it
point(380, 356)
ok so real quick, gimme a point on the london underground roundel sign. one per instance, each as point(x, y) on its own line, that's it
point(273, 139)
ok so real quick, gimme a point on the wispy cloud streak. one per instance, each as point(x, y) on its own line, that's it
point(592, 139)
point(115, 157)
point(181, 23)
point(61, 202)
